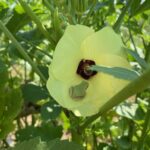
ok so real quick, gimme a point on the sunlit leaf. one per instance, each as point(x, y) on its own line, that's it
point(3, 73)
point(142, 7)
point(33, 93)
point(10, 106)
point(63, 145)
point(50, 110)
point(127, 110)
point(123, 143)
point(45, 131)
point(37, 144)
point(33, 144)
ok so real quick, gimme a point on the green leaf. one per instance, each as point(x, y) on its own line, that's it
point(3, 73)
point(147, 143)
point(2, 67)
point(18, 20)
point(5, 128)
point(33, 93)
point(34, 37)
point(33, 144)
point(44, 71)
point(134, 6)
point(46, 132)
point(5, 12)
point(11, 102)
point(120, 19)
point(127, 110)
point(142, 7)
point(132, 111)
point(37, 144)
point(50, 111)
point(63, 145)
point(13, 52)
point(136, 56)
point(10, 106)
point(124, 143)
point(117, 72)
point(103, 146)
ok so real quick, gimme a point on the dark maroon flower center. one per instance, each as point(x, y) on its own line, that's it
point(83, 69)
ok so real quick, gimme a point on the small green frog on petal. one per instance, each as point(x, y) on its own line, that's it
point(71, 82)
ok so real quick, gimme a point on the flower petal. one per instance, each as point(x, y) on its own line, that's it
point(101, 88)
point(104, 41)
point(109, 87)
point(67, 54)
point(59, 90)
point(80, 42)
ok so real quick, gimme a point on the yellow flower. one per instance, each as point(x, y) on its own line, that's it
point(79, 48)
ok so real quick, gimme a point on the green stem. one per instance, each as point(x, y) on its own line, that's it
point(36, 47)
point(37, 21)
point(147, 53)
point(121, 17)
point(76, 136)
point(57, 24)
point(86, 20)
point(134, 87)
point(145, 129)
point(72, 11)
point(21, 50)
point(131, 37)
point(48, 5)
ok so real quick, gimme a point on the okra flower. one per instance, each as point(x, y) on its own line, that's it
point(71, 83)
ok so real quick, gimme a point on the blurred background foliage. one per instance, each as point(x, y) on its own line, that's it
point(29, 116)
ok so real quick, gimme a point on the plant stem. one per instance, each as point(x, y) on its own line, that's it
point(37, 21)
point(121, 17)
point(36, 47)
point(145, 129)
point(91, 9)
point(131, 37)
point(76, 136)
point(48, 5)
point(147, 53)
point(21, 50)
point(132, 88)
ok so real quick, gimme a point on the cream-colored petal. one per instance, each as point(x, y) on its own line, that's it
point(104, 41)
point(101, 88)
point(67, 54)
point(80, 42)
point(100, 91)
point(112, 61)
point(59, 90)
point(105, 87)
